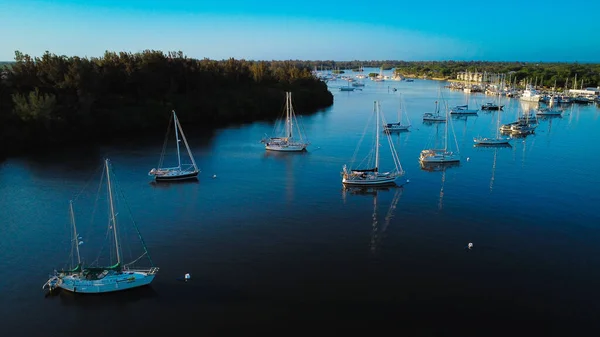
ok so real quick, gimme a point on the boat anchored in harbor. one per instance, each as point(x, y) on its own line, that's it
point(117, 275)
point(181, 171)
point(370, 174)
point(286, 142)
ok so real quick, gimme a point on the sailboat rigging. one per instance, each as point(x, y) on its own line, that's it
point(498, 139)
point(371, 175)
point(180, 172)
point(396, 127)
point(101, 279)
point(437, 155)
point(287, 142)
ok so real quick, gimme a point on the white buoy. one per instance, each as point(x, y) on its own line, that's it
point(407, 180)
point(468, 158)
point(187, 276)
point(214, 176)
point(470, 245)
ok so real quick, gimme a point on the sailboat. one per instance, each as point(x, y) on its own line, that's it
point(180, 172)
point(97, 279)
point(393, 127)
point(431, 156)
point(286, 142)
point(371, 175)
point(435, 116)
point(498, 139)
point(463, 109)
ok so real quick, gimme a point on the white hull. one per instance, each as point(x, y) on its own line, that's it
point(286, 147)
point(110, 283)
point(369, 180)
point(395, 128)
point(437, 156)
point(429, 117)
point(491, 141)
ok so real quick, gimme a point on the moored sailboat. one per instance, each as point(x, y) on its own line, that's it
point(440, 155)
point(371, 175)
point(286, 142)
point(116, 276)
point(181, 171)
point(398, 126)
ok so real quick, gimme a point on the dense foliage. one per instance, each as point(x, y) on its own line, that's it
point(54, 99)
point(545, 73)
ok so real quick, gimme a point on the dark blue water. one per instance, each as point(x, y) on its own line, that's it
point(276, 246)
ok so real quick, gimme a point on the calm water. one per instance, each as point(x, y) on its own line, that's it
point(274, 245)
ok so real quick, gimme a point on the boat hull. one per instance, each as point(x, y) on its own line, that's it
point(396, 128)
point(491, 141)
point(177, 175)
point(286, 148)
point(110, 283)
point(369, 182)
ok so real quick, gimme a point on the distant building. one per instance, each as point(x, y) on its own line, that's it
point(478, 77)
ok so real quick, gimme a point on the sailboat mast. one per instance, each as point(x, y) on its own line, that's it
point(288, 103)
point(446, 131)
point(112, 211)
point(75, 236)
point(177, 139)
point(376, 107)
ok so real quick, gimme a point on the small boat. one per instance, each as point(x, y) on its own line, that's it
point(181, 171)
point(498, 139)
point(434, 116)
point(371, 175)
point(287, 142)
point(440, 155)
point(397, 127)
point(491, 106)
point(463, 110)
point(548, 112)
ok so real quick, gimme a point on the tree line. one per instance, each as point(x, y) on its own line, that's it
point(54, 99)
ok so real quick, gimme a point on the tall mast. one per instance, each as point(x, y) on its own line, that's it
point(75, 236)
point(376, 108)
point(446, 131)
point(288, 104)
point(112, 211)
point(177, 140)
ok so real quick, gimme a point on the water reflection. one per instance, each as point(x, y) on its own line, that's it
point(377, 229)
point(288, 158)
point(440, 167)
point(170, 184)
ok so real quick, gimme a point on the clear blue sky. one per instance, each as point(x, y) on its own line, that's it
point(307, 29)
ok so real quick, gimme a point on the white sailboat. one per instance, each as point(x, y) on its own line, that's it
point(434, 116)
point(498, 139)
point(371, 175)
point(181, 171)
point(287, 142)
point(396, 127)
point(463, 109)
point(439, 156)
point(97, 279)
